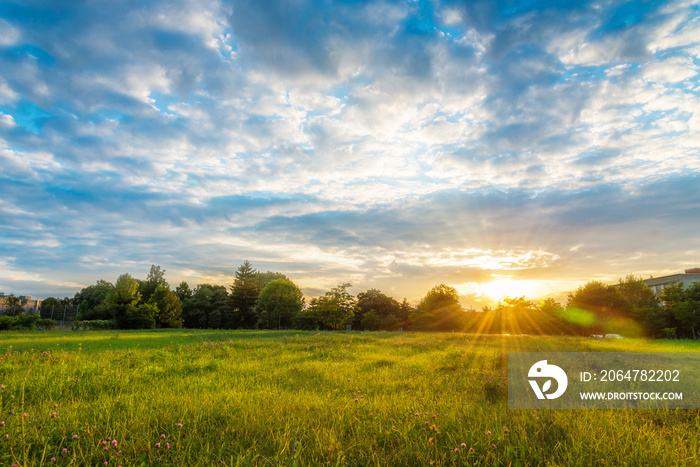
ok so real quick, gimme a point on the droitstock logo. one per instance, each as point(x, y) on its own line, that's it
point(547, 372)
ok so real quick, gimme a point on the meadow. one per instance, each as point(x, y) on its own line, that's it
point(195, 398)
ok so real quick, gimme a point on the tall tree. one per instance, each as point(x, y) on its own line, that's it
point(122, 300)
point(684, 305)
point(264, 278)
point(205, 307)
point(244, 293)
point(169, 307)
point(183, 291)
point(156, 277)
point(278, 303)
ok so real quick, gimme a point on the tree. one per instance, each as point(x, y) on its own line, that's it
point(643, 305)
point(50, 307)
point(684, 305)
point(183, 291)
point(605, 304)
point(204, 308)
point(388, 314)
point(244, 293)
point(91, 300)
point(335, 309)
point(264, 278)
point(169, 307)
point(13, 305)
point(156, 277)
point(121, 301)
point(439, 310)
point(278, 303)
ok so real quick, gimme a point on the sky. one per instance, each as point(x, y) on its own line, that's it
point(502, 148)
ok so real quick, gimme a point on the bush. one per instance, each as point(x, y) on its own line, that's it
point(8, 323)
point(26, 321)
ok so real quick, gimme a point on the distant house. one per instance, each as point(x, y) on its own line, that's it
point(26, 302)
point(657, 284)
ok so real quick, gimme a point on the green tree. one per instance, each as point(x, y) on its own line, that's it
point(605, 304)
point(91, 300)
point(142, 316)
point(335, 309)
point(264, 278)
point(169, 307)
point(204, 308)
point(121, 301)
point(643, 305)
point(278, 303)
point(183, 291)
point(156, 277)
point(684, 305)
point(49, 306)
point(439, 310)
point(244, 293)
point(387, 311)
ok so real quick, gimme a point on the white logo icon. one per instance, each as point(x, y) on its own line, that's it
point(542, 370)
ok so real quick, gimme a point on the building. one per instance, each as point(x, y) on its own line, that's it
point(28, 305)
point(657, 284)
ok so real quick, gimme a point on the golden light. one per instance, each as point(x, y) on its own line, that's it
point(501, 288)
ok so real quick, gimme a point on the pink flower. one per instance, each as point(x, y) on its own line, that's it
point(24, 414)
point(106, 463)
point(114, 444)
point(179, 425)
point(488, 433)
point(427, 423)
point(356, 399)
point(53, 414)
point(104, 443)
point(64, 451)
point(75, 436)
point(2, 423)
point(53, 459)
point(157, 445)
point(162, 436)
point(456, 449)
point(2, 387)
point(167, 445)
point(106, 448)
point(471, 449)
point(55, 406)
point(464, 445)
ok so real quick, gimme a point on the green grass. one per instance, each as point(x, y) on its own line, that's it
point(288, 398)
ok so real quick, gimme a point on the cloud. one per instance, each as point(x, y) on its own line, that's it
point(393, 144)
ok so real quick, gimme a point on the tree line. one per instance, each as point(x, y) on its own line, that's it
point(270, 300)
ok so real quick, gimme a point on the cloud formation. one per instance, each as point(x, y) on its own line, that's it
point(391, 144)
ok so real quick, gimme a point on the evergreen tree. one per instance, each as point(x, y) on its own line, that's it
point(241, 305)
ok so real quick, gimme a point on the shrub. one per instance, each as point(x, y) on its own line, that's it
point(8, 323)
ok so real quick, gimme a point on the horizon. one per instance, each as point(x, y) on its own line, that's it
point(498, 149)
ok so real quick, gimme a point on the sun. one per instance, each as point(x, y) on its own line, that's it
point(501, 288)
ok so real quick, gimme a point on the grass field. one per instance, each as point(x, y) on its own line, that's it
point(187, 397)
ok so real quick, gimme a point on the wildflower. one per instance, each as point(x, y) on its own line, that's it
point(53, 414)
point(356, 399)
point(2, 387)
point(416, 414)
point(471, 449)
point(488, 433)
point(157, 445)
point(53, 459)
point(114, 444)
point(55, 406)
point(427, 423)
point(167, 445)
point(493, 445)
point(64, 451)
point(162, 436)
point(106, 448)
point(456, 449)
point(2, 423)
point(464, 445)
point(75, 437)
point(179, 425)
point(24, 414)
point(505, 431)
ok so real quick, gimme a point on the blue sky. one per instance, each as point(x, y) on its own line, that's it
point(521, 147)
